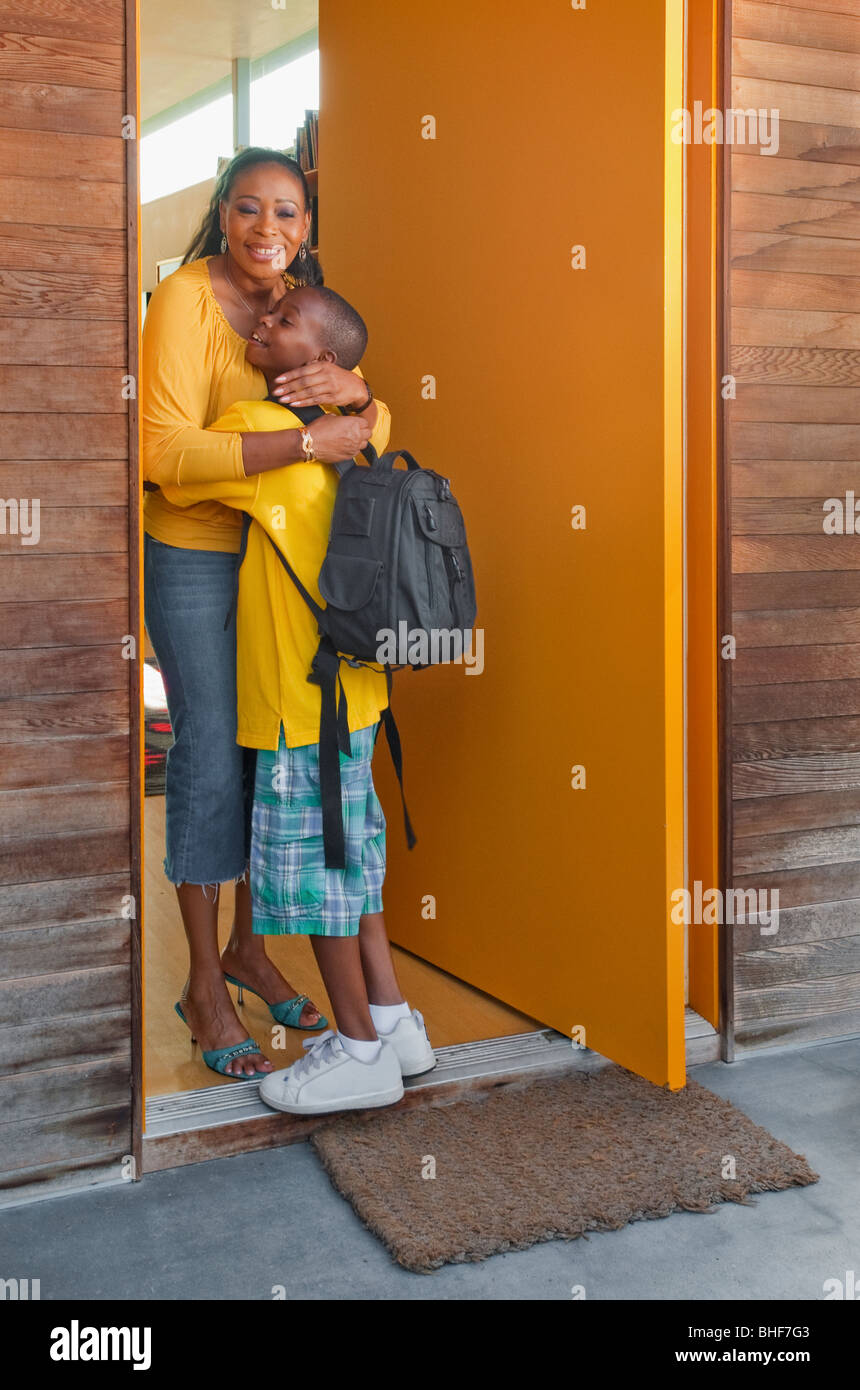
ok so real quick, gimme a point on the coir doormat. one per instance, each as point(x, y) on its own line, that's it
point(546, 1160)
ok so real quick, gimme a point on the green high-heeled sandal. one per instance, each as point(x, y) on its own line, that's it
point(217, 1058)
point(287, 1013)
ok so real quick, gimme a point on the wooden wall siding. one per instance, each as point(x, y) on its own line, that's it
point(67, 799)
point(792, 441)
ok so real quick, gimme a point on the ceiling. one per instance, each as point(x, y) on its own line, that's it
point(186, 45)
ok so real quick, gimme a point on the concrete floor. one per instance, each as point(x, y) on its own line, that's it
point(237, 1227)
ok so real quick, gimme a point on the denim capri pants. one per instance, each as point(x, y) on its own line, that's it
point(209, 778)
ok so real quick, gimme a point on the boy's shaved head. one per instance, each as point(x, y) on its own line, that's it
point(308, 324)
point(344, 329)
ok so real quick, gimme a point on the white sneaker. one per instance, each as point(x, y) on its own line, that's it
point(410, 1042)
point(328, 1078)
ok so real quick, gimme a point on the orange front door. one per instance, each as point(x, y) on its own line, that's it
point(499, 197)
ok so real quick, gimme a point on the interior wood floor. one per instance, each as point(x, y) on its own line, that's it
point(455, 1012)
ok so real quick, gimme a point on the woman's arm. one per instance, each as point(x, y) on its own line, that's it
point(175, 390)
point(180, 451)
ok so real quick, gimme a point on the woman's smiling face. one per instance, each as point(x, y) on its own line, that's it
point(265, 221)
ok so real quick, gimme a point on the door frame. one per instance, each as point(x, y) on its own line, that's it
point(707, 32)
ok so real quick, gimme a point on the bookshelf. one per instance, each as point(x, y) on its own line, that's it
point(305, 151)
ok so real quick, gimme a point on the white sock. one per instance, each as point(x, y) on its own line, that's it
point(387, 1016)
point(361, 1049)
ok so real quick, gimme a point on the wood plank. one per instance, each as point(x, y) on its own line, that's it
point(65, 1138)
point(87, 853)
point(55, 155)
point(766, 815)
point(79, 946)
point(818, 922)
point(59, 671)
point(809, 700)
point(789, 62)
point(70, 624)
point(794, 328)
point(66, 994)
point(58, 341)
point(39, 106)
point(96, 252)
point(67, 482)
point(78, 62)
point(757, 440)
point(64, 1090)
point(767, 289)
point(58, 1180)
point(784, 24)
point(818, 883)
point(801, 999)
point(803, 366)
point(63, 900)
point(82, 436)
point(38, 577)
point(45, 1042)
point(796, 101)
point(74, 531)
point(809, 960)
point(794, 849)
point(73, 761)
point(765, 591)
point(59, 811)
point(759, 554)
point(786, 516)
point(69, 390)
point(48, 293)
point(793, 478)
point(74, 202)
point(796, 178)
point(50, 717)
point(767, 1031)
point(773, 665)
point(101, 20)
point(824, 405)
point(811, 772)
point(794, 254)
point(847, 7)
point(770, 212)
point(816, 141)
point(797, 627)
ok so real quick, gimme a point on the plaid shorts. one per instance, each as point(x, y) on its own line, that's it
point(292, 891)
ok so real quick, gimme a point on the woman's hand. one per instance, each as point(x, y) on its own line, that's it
point(339, 437)
point(320, 383)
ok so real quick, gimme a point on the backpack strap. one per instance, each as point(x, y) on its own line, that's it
point(325, 672)
point(392, 735)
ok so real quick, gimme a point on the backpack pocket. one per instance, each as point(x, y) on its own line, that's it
point(350, 585)
point(349, 581)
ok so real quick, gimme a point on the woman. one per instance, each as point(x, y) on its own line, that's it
point(252, 244)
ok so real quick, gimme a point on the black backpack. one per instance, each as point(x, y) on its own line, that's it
point(397, 562)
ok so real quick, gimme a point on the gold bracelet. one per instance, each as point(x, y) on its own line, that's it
point(307, 446)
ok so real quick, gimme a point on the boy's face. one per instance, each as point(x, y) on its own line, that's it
point(288, 336)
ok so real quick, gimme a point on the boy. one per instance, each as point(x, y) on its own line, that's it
point(379, 1039)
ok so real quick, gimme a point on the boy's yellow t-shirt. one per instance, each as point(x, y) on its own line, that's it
point(277, 634)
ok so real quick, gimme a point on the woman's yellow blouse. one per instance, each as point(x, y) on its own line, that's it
point(193, 369)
